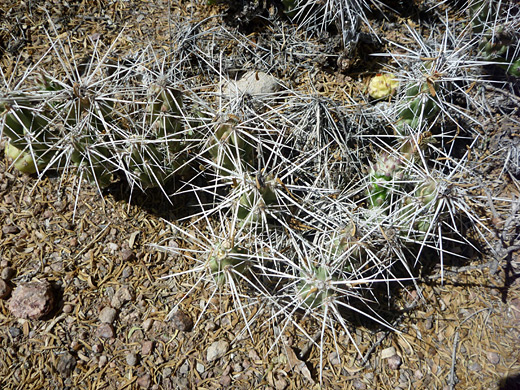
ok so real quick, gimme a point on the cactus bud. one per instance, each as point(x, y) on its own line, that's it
point(382, 86)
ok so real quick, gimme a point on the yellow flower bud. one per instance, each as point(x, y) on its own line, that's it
point(382, 86)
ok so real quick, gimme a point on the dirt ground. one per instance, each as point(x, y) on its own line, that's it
point(95, 250)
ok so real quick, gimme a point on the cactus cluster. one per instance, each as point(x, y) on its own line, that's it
point(497, 25)
point(113, 122)
point(308, 205)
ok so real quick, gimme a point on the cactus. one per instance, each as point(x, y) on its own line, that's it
point(499, 36)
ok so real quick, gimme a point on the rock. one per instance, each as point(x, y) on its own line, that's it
point(123, 295)
point(66, 364)
point(358, 385)
point(147, 324)
point(131, 359)
point(394, 362)
point(334, 358)
point(67, 309)
point(127, 255)
point(255, 83)
point(475, 367)
point(388, 352)
point(200, 367)
point(32, 300)
point(217, 350)
point(182, 321)
point(10, 229)
point(105, 331)
point(493, 357)
point(14, 332)
point(428, 324)
point(127, 272)
point(107, 315)
point(147, 348)
point(8, 273)
point(103, 360)
point(280, 383)
point(225, 380)
point(144, 381)
point(97, 348)
point(5, 290)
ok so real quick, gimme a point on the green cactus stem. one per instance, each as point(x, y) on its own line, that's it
point(228, 148)
point(313, 289)
point(227, 259)
point(256, 199)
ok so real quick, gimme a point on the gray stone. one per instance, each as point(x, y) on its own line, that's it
point(106, 331)
point(123, 295)
point(394, 362)
point(217, 350)
point(131, 359)
point(144, 381)
point(254, 83)
point(147, 348)
point(493, 357)
point(66, 364)
point(107, 315)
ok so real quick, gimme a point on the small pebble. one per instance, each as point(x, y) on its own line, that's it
point(358, 385)
point(147, 348)
point(237, 367)
point(8, 273)
point(476, 367)
point(5, 290)
point(334, 358)
point(127, 255)
point(493, 357)
point(127, 272)
point(185, 368)
point(217, 350)
point(394, 362)
point(388, 352)
point(66, 364)
point(102, 361)
point(144, 381)
point(428, 324)
point(14, 332)
point(210, 326)
point(75, 345)
point(200, 367)
point(131, 359)
point(123, 295)
point(147, 324)
point(67, 309)
point(97, 348)
point(107, 315)
point(105, 331)
point(10, 229)
point(225, 380)
point(182, 321)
